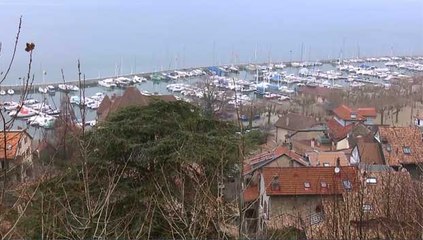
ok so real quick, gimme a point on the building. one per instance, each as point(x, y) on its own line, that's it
point(281, 156)
point(327, 159)
point(16, 154)
point(346, 116)
point(402, 147)
point(386, 205)
point(367, 153)
point(290, 123)
point(292, 197)
point(131, 97)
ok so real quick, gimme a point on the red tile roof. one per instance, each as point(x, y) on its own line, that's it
point(367, 112)
point(337, 131)
point(12, 143)
point(262, 159)
point(370, 153)
point(251, 193)
point(344, 112)
point(397, 138)
point(292, 180)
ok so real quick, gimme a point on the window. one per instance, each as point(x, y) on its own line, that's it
point(323, 184)
point(326, 164)
point(367, 207)
point(371, 180)
point(307, 185)
point(347, 185)
point(406, 150)
point(275, 184)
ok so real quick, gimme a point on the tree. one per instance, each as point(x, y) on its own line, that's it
point(155, 171)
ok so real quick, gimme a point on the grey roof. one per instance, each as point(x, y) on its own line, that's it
point(295, 122)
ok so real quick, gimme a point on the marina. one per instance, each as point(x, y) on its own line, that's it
point(236, 84)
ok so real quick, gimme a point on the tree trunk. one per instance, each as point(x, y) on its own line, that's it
point(382, 116)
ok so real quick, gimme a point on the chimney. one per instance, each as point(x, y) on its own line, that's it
point(338, 162)
point(287, 121)
point(312, 143)
point(353, 115)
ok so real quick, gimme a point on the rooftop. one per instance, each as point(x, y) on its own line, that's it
point(401, 145)
point(295, 122)
point(131, 97)
point(13, 138)
point(326, 159)
point(346, 113)
point(337, 131)
point(309, 180)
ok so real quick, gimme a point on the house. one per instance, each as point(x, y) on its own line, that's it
point(16, 154)
point(346, 116)
point(281, 156)
point(290, 123)
point(292, 197)
point(327, 159)
point(131, 97)
point(345, 137)
point(385, 205)
point(367, 153)
point(339, 134)
point(402, 147)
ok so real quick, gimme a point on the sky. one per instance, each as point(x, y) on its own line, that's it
point(111, 36)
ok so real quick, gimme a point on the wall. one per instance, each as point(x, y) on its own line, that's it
point(25, 151)
point(355, 156)
point(342, 144)
point(340, 121)
point(286, 210)
point(280, 135)
point(284, 161)
point(307, 135)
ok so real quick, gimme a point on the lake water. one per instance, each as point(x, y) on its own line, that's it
point(112, 37)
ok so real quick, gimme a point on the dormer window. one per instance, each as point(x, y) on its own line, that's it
point(275, 186)
point(323, 184)
point(307, 185)
point(371, 180)
point(8, 146)
point(406, 150)
point(347, 185)
point(388, 147)
point(326, 165)
point(367, 207)
point(353, 115)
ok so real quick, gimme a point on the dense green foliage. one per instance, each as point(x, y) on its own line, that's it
point(145, 172)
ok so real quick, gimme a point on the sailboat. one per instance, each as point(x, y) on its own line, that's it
point(43, 90)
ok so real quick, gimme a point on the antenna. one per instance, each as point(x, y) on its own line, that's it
point(337, 169)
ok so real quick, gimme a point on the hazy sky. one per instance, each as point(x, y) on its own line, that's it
point(149, 35)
